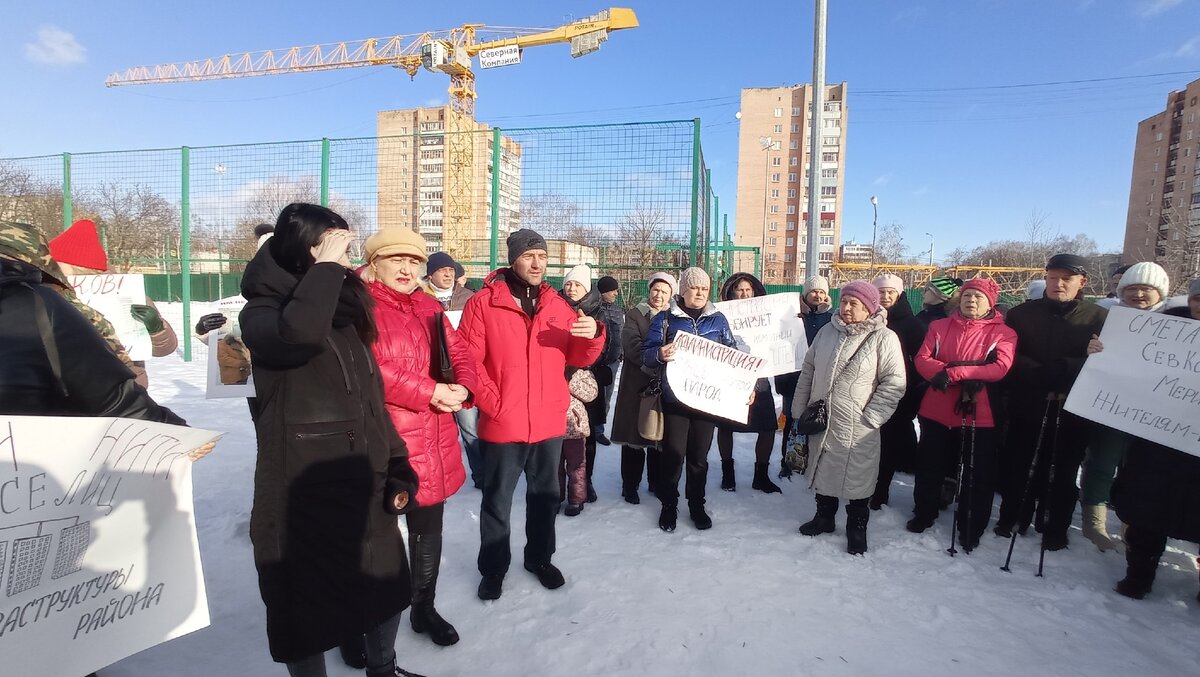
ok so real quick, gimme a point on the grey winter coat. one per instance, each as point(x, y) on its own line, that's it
point(844, 459)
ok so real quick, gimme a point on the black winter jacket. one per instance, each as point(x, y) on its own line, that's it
point(1052, 339)
point(330, 556)
point(41, 333)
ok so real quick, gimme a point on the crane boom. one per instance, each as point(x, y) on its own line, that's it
point(445, 51)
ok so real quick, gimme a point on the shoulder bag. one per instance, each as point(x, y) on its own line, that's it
point(650, 412)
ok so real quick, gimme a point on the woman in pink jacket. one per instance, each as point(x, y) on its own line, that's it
point(962, 355)
point(421, 400)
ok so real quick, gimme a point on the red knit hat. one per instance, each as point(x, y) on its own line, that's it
point(79, 245)
point(986, 286)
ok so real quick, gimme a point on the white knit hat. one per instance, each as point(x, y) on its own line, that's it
point(1148, 273)
point(582, 274)
point(816, 282)
point(664, 277)
point(889, 281)
point(694, 277)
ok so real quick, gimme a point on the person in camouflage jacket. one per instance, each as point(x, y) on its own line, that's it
point(25, 242)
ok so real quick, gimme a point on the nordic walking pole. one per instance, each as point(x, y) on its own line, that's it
point(1049, 486)
point(1037, 450)
point(971, 487)
point(958, 486)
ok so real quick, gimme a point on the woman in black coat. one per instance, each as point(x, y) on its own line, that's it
point(1156, 495)
point(332, 474)
point(762, 418)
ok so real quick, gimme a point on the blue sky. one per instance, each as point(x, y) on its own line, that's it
point(967, 165)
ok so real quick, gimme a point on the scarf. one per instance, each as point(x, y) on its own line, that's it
point(525, 294)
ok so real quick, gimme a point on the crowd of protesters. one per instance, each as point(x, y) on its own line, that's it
point(372, 402)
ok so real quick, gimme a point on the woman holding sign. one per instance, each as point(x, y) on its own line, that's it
point(762, 412)
point(687, 433)
point(428, 375)
point(332, 474)
point(854, 370)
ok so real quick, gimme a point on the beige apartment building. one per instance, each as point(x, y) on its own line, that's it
point(414, 149)
point(1163, 222)
point(772, 187)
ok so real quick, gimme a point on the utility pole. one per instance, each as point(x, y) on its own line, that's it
point(812, 252)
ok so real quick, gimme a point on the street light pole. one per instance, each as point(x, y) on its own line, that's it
point(930, 248)
point(874, 228)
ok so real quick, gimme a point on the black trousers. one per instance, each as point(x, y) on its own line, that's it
point(897, 449)
point(687, 436)
point(1063, 445)
point(940, 448)
point(425, 520)
point(503, 465)
point(633, 459)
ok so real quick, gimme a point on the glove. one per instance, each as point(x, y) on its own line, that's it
point(210, 322)
point(147, 315)
point(940, 381)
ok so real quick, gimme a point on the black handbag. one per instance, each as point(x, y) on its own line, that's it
point(445, 367)
point(815, 417)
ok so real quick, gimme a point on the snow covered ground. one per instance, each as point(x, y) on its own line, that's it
point(749, 597)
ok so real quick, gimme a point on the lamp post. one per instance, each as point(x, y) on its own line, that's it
point(874, 226)
point(766, 142)
point(930, 248)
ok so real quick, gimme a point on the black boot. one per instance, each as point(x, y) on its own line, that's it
point(426, 555)
point(354, 652)
point(668, 517)
point(762, 480)
point(728, 481)
point(823, 521)
point(699, 517)
point(857, 515)
point(1142, 553)
point(630, 494)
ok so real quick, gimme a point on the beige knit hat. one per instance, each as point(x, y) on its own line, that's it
point(398, 240)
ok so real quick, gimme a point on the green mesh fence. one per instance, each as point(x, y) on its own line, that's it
point(627, 199)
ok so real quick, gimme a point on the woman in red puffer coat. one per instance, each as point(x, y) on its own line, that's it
point(962, 356)
point(420, 400)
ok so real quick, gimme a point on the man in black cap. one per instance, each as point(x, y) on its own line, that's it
point(442, 284)
point(1052, 338)
point(524, 335)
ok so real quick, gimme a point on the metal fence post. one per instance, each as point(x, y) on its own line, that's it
point(494, 246)
point(324, 172)
point(695, 188)
point(185, 248)
point(68, 205)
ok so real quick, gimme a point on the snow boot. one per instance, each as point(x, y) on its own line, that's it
point(1055, 541)
point(547, 574)
point(668, 517)
point(490, 587)
point(1142, 553)
point(630, 494)
point(918, 525)
point(762, 480)
point(591, 492)
point(392, 670)
point(699, 517)
point(573, 509)
point(354, 652)
point(1095, 518)
point(426, 554)
point(857, 516)
point(823, 521)
point(728, 481)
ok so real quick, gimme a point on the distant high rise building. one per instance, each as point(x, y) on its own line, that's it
point(1163, 222)
point(852, 252)
point(413, 162)
point(773, 165)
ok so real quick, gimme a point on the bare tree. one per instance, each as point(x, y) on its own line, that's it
point(25, 198)
point(134, 221)
point(889, 244)
point(553, 215)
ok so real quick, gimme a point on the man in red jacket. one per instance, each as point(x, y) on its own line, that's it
point(524, 335)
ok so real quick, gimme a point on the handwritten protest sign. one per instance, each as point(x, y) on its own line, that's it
point(1146, 381)
point(713, 378)
point(112, 296)
point(98, 550)
point(769, 326)
point(229, 370)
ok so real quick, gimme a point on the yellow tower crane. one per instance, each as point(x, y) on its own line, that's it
point(446, 51)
